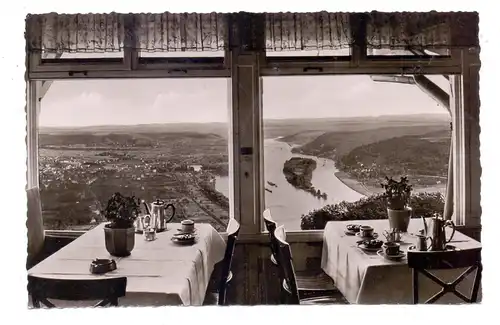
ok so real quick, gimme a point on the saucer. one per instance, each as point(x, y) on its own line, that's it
point(368, 249)
point(184, 239)
point(350, 233)
point(355, 230)
point(447, 248)
point(391, 257)
point(375, 235)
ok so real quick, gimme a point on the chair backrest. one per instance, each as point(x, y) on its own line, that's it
point(233, 229)
point(420, 262)
point(34, 223)
point(108, 290)
point(287, 271)
point(271, 226)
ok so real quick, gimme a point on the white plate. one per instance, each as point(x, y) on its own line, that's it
point(398, 257)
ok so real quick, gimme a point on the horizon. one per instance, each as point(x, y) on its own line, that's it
point(443, 114)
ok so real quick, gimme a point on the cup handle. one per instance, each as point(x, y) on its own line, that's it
point(451, 224)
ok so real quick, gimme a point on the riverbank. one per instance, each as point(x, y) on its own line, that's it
point(355, 185)
point(367, 190)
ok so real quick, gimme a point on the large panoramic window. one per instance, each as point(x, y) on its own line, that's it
point(329, 141)
point(155, 139)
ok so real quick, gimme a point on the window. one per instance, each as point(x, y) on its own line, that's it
point(310, 53)
point(333, 139)
point(388, 52)
point(81, 55)
point(183, 54)
point(151, 138)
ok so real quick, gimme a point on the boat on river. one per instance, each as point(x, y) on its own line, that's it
point(272, 184)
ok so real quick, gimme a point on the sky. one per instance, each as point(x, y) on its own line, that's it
point(142, 101)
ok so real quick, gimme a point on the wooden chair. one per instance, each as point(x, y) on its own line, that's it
point(308, 283)
point(290, 290)
point(271, 226)
point(34, 223)
point(219, 295)
point(421, 262)
point(107, 290)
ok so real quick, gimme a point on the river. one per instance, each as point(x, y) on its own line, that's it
point(287, 204)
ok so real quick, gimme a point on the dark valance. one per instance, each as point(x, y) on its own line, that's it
point(169, 32)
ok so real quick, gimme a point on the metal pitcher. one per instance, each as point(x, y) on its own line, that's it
point(437, 232)
point(158, 214)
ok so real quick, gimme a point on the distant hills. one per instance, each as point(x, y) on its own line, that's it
point(217, 128)
point(221, 128)
point(317, 135)
point(135, 139)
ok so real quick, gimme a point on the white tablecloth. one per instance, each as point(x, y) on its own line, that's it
point(158, 272)
point(366, 278)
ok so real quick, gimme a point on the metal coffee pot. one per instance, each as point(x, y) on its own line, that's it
point(158, 214)
point(436, 230)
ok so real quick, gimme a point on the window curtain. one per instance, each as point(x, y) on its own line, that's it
point(169, 32)
point(56, 33)
point(165, 32)
point(90, 33)
point(409, 29)
point(307, 31)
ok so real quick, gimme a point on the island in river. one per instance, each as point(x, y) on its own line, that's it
point(298, 172)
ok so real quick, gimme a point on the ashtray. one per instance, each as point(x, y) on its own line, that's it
point(101, 266)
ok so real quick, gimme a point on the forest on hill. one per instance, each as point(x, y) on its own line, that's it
point(420, 152)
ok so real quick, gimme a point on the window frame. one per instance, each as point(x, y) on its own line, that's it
point(36, 88)
point(454, 65)
point(463, 63)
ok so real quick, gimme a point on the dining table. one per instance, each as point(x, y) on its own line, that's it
point(159, 272)
point(369, 278)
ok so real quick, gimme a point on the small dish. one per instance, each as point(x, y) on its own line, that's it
point(398, 257)
point(101, 266)
point(447, 248)
point(367, 248)
point(184, 239)
point(375, 235)
point(350, 233)
point(352, 228)
point(413, 248)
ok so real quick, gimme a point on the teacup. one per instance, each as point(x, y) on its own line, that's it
point(366, 231)
point(187, 226)
point(391, 248)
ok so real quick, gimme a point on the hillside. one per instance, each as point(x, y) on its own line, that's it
point(339, 143)
point(424, 158)
point(88, 139)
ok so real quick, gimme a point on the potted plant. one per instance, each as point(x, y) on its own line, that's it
point(398, 194)
point(119, 234)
